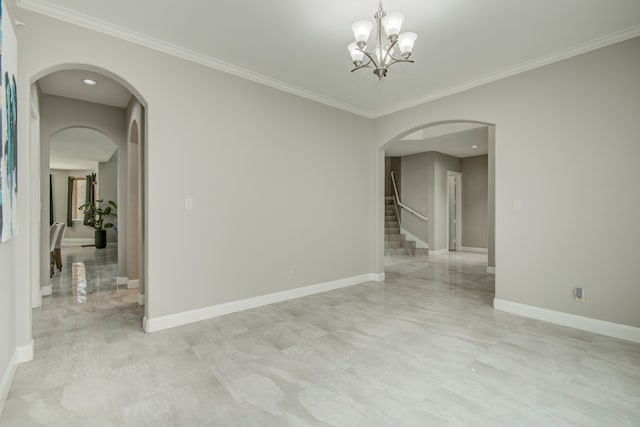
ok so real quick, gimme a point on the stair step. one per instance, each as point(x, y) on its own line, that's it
point(422, 252)
point(397, 252)
point(392, 230)
point(394, 244)
point(394, 237)
point(392, 224)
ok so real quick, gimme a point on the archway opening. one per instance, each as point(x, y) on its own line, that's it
point(438, 193)
point(68, 110)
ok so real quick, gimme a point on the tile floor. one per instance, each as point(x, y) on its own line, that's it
point(423, 348)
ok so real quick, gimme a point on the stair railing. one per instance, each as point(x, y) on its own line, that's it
point(402, 205)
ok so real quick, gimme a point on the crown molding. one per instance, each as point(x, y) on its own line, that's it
point(44, 7)
point(618, 36)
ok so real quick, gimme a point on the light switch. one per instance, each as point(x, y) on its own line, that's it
point(188, 203)
point(517, 204)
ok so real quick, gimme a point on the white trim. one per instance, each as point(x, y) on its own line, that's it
point(46, 290)
point(602, 327)
point(24, 353)
point(618, 36)
point(77, 241)
point(73, 17)
point(133, 284)
point(76, 18)
point(458, 179)
point(438, 252)
point(172, 320)
point(420, 244)
point(122, 281)
point(491, 270)
point(141, 299)
point(6, 380)
point(470, 249)
point(20, 354)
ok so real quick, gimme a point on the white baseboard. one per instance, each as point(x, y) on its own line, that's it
point(596, 326)
point(133, 284)
point(20, 355)
point(46, 290)
point(122, 281)
point(438, 252)
point(419, 243)
point(172, 320)
point(6, 380)
point(24, 353)
point(141, 299)
point(471, 249)
point(491, 270)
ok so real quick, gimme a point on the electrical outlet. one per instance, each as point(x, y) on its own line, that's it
point(292, 274)
point(579, 294)
point(188, 203)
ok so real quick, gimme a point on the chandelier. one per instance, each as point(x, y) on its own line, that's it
point(388, 38)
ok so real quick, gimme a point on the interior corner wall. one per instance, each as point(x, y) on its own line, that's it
point(57, 113)
point(227, 143)
point(442, 164)
point(585, 106)
point(108, 188)
point(475, 186)
point(418, 180)
point(491, 197)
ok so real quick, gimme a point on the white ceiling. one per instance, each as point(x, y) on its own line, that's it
point(68, 83)
point(454, 139)
point(300, 45)
point(79, 149)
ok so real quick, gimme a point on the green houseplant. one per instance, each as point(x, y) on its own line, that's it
point(97, 213)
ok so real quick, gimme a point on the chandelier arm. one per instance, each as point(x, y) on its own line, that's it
point(362, 66)
point(388, 53)
point(400, 60)
point(371, 59)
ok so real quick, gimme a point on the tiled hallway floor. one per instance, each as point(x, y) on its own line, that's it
point(423, 348)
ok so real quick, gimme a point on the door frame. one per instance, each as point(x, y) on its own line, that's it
point(458, 201)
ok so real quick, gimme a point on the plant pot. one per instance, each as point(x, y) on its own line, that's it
point(101, 239)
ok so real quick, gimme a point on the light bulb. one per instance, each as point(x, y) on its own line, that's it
point(362, 30)
point(392, 24)
point(406, 42)
point(356, 55)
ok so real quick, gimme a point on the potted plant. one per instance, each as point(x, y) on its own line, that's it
point(97, 213)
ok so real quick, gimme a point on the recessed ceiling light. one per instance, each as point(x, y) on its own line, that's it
point(90, 82)
point(474, 146)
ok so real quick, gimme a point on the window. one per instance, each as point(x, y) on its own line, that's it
point(79, 197)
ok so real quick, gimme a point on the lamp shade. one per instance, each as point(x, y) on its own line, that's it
point(392, 23)
point(406, 42)
point(387, 58)
point(362, 30)
point(356, 55)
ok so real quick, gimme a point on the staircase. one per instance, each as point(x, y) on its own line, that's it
point(395, 243)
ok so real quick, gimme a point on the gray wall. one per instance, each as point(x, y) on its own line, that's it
point(60, 186)
point(108, 188)
point(475, 174)
point(424, 178)
point(586, 106)
point(439, 219)
point(417, 193)
point(201, 146)
point(392, 164)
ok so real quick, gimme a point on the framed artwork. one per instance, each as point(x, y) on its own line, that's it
point(8, 130)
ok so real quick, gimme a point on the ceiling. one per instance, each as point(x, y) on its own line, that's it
point(79, 149)
point(300, 45)
point(455, 139)
point(68, 83)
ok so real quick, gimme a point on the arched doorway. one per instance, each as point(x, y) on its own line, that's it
point(434, 225)
point(63, 103)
